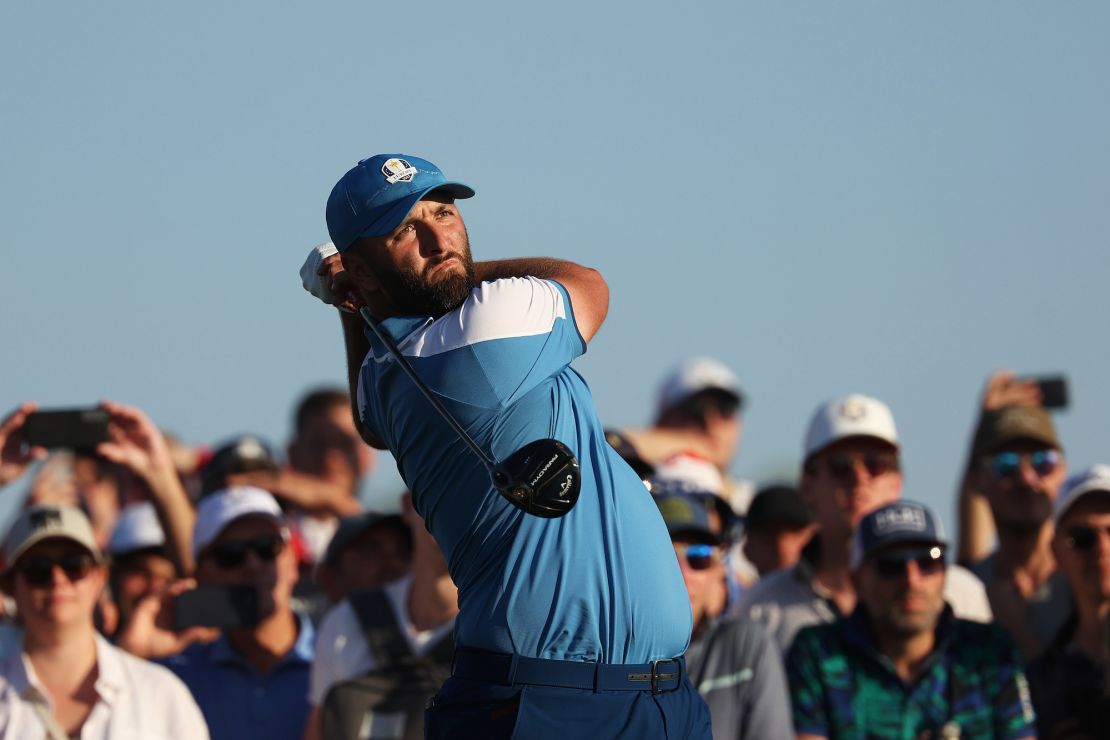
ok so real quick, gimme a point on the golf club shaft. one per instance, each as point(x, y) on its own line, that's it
point(424, 389)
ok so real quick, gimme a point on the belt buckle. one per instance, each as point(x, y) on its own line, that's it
point(656, 676)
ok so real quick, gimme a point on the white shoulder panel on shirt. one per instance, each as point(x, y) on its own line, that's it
point(502, 309)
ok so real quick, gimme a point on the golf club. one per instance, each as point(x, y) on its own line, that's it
point(542, 478)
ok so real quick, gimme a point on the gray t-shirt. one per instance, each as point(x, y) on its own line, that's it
point(1033, 623)
point(737, 669)
point(789, 599)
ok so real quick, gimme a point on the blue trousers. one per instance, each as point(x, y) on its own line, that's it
point(472, 709)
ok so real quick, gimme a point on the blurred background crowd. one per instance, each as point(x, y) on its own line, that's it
point(240, 589)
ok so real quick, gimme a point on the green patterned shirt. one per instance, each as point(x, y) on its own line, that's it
point(971, 685)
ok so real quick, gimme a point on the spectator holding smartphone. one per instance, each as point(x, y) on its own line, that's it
point(1016, 466)
point(66, 680)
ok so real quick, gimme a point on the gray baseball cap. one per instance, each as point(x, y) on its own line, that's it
point(40, 523)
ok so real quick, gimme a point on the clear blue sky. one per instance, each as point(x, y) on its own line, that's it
point(890, 198)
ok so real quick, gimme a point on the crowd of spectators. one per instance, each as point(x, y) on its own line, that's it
point(158, 589)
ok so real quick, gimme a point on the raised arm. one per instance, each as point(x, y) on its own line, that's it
point(589, 293)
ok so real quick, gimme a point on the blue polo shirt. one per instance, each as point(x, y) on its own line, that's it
point(237, 702)
point(599, 584)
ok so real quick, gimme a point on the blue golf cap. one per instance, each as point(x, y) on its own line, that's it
point(375, 195)
point(902, 521)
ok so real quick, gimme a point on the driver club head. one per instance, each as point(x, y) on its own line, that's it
point(542, 478)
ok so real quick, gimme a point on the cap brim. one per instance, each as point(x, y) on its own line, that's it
point(35, 539)
point(392, 218)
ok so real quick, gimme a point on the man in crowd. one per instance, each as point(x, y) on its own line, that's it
point(140, 565)
point(851, 467)
point(1069, 680)
point(253, 680)
point(698, 412)
point(397, 557)
point(66, 680)
point(1018, 466)
point(734, 666)
point(326, 462)
point(902, 665)
point(590, 599)
point(777, 527)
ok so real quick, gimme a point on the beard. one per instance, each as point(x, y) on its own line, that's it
point(419, 293)
point(894, 620)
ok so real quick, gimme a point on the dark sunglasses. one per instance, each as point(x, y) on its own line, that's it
point(930, 561)
point(40, 571)
point(698, 557)
point(1082, 538)
point(230, 555)
point(1008, 464)
point(843, 467)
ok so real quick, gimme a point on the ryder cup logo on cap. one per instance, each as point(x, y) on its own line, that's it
point(902, 521)
point(854, 415)
point(376, 195)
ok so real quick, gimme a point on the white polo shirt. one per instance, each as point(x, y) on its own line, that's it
point(136, 700)
point(342, 651)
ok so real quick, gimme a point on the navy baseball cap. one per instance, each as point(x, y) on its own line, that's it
point(686, 515)
point(902, 521)
point(375, 195)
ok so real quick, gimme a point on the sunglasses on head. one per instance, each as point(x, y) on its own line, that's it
point(1082, 538)
point(929, 560)
point(843, 466)
point(1008, 464)
point(39, 571)
point(698, 557)
point(230, 555)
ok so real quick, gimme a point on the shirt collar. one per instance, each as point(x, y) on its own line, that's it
point(397, 328)
point(109, 668)
point(221, 650)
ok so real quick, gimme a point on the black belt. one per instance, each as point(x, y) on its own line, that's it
point(512, 670)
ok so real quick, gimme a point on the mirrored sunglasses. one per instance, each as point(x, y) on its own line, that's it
point(698, 557)
point(1008, 464)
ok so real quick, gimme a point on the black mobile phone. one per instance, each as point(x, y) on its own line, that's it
point(225, 607)
point(1054, 391)
point(79, 429)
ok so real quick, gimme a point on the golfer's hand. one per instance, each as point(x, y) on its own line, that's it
point(323, 276)
point(15, 456)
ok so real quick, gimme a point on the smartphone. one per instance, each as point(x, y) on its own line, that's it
point(78, 429)
point(225, 607)
point(1054, 391)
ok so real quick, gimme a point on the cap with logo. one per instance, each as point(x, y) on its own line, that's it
point(375, 195)
point(896, 523)
point(694, 376)
point(137, 528)
point(854, 415)
point(241, 454)
point(685, 514)
point(40, 523)
point(217, 510)
point(1093, 480)
point(1014, 424)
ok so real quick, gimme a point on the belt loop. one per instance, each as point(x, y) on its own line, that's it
point(454, 659)
point(512, 668)
point(597, 671)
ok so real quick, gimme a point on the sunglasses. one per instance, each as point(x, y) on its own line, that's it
point(230, 555)
point(1082, 538)
point(40, 571)
point(1008, 464)
point(698, 557)
point(930, 561)
point(843, 467)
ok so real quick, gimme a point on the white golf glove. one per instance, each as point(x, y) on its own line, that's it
point(316, 284)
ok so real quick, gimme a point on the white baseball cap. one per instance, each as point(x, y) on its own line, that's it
point(220, 508)
point(693, 376)
point(1095, 479)
point(697, 472)
point(48, 522)
point(137, 528)
point(854, 415)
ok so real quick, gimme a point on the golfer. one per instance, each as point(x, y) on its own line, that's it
point(572, 626)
